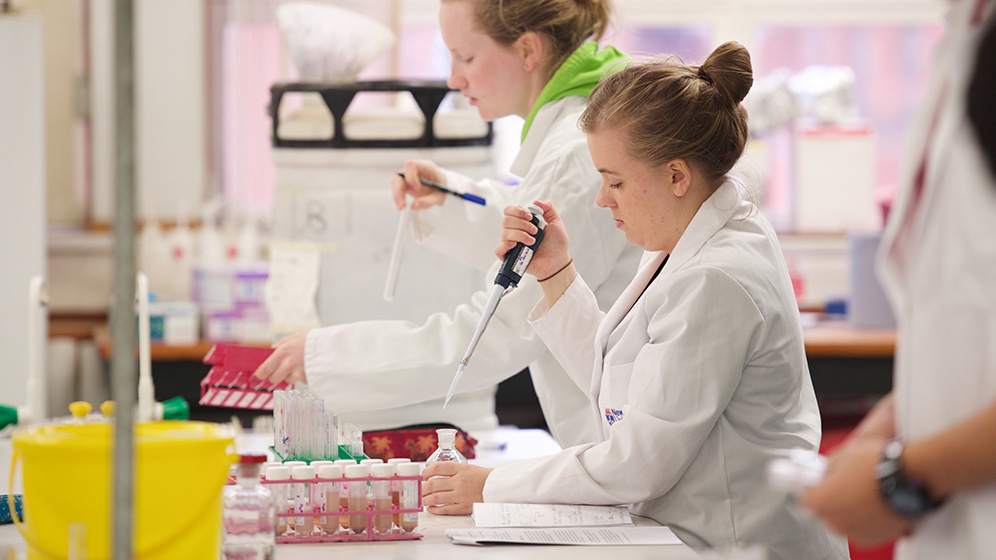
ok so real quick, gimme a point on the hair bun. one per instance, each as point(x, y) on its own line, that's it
point(728, 68)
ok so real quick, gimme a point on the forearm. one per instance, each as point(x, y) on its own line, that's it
point(960, 458)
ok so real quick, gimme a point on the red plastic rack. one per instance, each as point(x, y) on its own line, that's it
point(347, 535)
point(230, 383)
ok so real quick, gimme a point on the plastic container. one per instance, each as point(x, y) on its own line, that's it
point(180, 469)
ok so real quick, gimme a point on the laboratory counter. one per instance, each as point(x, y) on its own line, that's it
point(435, 545)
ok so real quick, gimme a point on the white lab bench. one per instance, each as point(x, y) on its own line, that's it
point(503, 446)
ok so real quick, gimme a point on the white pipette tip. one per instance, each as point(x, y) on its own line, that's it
point(456, 379)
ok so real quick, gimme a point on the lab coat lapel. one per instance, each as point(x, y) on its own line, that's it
point(648, 265)
point(718, 209)
point(544, 119)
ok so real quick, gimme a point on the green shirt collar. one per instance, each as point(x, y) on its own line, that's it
point(578, 75)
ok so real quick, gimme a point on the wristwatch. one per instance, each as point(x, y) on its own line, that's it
point(904, 494)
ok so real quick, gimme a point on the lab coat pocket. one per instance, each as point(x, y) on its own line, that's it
point(614, 391)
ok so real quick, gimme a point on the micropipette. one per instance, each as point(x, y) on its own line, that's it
point(512, 268)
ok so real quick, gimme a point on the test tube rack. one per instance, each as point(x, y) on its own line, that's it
point(348, 535)
point(230, 383)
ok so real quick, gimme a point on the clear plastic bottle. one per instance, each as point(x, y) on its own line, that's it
point(250, 515)
point(447, 448)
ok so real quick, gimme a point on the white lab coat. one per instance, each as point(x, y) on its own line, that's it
point(938, 265)
point(696, 385)
point(384, 374)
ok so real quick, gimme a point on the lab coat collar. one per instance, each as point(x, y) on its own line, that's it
point(547, 116)
point(724, 204)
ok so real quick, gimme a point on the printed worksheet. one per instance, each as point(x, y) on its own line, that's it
point(565, 535)
point(548, 515)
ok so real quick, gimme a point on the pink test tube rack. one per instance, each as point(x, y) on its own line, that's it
point(230, 383)
point(347, 535)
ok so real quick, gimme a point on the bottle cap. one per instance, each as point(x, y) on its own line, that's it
point(398, 460)
point(176, 409)
point(320, 464)
point(409, 469)
point(357, 471)
point(330, 471)
point(344, 462)
point(252, 458)
point(371, 461)
point(8, 415)
point(447, 437)
point(278, 473)
point(79, 409)
point(293, 464)
point(108, 408)
point(302, 473)
point(382, 470)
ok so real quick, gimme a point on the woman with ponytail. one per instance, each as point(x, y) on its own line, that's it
point(697, 374)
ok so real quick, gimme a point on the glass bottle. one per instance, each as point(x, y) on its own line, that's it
point(249, 514)
point(447, 448)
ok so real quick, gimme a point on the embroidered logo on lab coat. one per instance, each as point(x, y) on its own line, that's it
point(613, 415)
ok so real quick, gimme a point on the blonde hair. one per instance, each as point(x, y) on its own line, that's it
point(565, 24)
point(670, 110)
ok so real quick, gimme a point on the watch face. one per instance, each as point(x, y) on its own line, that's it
point(907, 501)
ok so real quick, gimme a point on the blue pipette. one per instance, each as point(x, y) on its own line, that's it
point(466, 196)
point(512, 268)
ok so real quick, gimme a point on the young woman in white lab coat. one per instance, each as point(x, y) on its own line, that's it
point(697, 374)
point(522, 57)
point(938, 263)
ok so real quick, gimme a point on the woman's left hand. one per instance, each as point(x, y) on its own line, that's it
point(458, 489)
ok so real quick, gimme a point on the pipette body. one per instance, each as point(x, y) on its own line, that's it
point(512, 268)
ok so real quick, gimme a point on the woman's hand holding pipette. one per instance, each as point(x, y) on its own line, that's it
point(409, 184)
point(552, 264)
point(453, 488)
point(286, 363)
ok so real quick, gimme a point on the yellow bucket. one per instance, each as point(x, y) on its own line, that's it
point(180, 469)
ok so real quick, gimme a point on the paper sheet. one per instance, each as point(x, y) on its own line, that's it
point(565, 535)
point(293, 285)
point(548, 515)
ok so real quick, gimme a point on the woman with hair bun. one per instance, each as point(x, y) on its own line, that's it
point(537, 59)
point(697, 374)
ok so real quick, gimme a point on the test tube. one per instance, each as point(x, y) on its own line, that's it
point(281, 476)
point(303, 480)
point(344, 493)
point(409, 496)
point(382, 496)
point(357, 497)
point(330, 497)
point(396, 488)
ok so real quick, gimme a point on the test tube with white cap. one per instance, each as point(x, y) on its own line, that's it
point(328, 497)
point(357, 497)
point(281, 474)
point(304, 478)
point(382, 496)
point(409, 496)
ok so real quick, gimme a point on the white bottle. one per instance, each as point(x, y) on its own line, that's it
point(250, 515)
point(447, 448)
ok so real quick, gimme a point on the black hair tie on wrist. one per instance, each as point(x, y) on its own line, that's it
point(563, 268)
